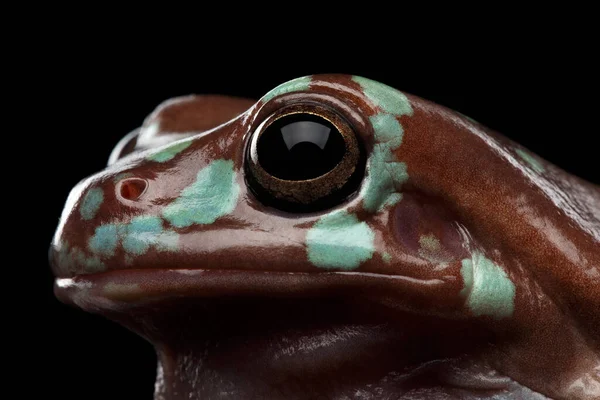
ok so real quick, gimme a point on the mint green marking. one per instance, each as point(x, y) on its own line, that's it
point(136, 237)
point(91, 264)
point(385, 97)
point(533, 162)
point(141, 233)
point(385, 173)
point(145, 224)
point(167, 241)
point(104, 241)
point(295, 85)
point(488, 289)
point(70, 257)
point(91, 203)
point(386, 257)
point(146, 231)
point(384, 180)
point(339, 240)
point(214, 194)
point(168, 153)
point(388, 131)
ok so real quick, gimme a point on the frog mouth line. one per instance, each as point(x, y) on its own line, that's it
point(120, 291)
point(123, 288)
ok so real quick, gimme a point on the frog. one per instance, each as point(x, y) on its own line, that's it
point(339, 239)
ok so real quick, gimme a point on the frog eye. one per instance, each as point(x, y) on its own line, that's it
point(303, 158)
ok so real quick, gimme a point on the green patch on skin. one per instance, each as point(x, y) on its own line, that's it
point(382, 183)
point(90, 264)
point(168, 153)
point(147, 231)
point(104, 241)
point(533, 162)
point(91, 203)
point(488, 289)
point(136, 237)
point(385, 97)
point(141, 233)
point(386, 173)
point(214, 194)
point(69, 258)
point(167, 241)
point(339, 241)
point(388, 132)
point(386, 257)
point(295, 85)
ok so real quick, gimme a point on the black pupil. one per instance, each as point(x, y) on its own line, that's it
point(299, 147)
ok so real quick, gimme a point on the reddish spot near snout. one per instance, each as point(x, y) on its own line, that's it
point(132, 188)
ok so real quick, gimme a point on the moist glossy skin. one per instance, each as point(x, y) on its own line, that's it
point(463, 267)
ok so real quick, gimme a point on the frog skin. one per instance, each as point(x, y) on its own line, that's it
point(460, 266)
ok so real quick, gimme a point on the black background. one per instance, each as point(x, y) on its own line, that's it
point(89, 96)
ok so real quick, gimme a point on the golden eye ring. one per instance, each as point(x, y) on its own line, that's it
point(284, 181)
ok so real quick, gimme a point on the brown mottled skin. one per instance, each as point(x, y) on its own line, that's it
point(238, 311)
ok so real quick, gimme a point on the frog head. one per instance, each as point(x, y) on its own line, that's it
point(377, 219)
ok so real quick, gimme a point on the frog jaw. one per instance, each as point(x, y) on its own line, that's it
point(129, 289)
point(319, 337)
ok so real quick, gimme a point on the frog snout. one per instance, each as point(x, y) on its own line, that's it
point(90, 224)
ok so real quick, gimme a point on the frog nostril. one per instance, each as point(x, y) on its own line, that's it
point(132, 188)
